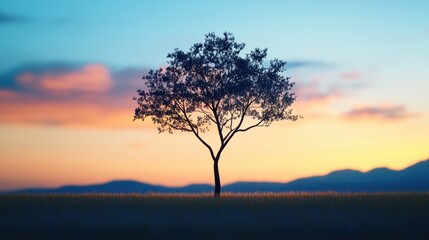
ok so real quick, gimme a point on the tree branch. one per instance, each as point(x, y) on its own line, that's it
point(250, 127)
point(218, 124)
point(232, 132)
point(196, 133)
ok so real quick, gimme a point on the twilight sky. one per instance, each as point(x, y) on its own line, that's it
point(69, 70)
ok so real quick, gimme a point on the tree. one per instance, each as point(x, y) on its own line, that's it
point(213, 87)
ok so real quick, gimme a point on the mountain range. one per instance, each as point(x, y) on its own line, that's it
point(412, 178)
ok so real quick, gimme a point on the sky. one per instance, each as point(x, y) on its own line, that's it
point(69, 71)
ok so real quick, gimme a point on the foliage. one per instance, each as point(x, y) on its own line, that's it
point(213, 85)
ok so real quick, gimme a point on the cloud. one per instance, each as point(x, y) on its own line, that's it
point(387, 112)
point(7, 94)
point(314, 92)
point(94, 95)
point(320, 93)
point(328, 85)
point(308, 64)
point(77, 95)
point(9, 79)
point(90, 78)
point(8, 18)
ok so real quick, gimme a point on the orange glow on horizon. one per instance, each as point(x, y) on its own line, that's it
point(56, 156)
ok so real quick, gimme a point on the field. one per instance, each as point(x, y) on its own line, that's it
point(200, 216)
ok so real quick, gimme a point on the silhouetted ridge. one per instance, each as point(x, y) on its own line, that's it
point(381, 170)
point(412, 178)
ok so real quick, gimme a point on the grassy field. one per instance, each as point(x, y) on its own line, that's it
point(200, 216)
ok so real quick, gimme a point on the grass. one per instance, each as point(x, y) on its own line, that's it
point(200, 216)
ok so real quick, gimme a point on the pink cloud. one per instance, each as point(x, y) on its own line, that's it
point(90, 78)
point(89, 96)
point(314, 93)
point(8, 94)
point(386, 112)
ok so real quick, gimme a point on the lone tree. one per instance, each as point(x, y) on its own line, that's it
point(212, 86)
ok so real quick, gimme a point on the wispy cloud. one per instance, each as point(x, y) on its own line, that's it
point(314, 92)
point(387, 113)
point(320, 93)
point(328, 85)
point(308, 64)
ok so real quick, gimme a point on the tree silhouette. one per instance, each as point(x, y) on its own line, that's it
point(213, 87)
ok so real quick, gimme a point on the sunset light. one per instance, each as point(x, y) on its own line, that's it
point(69, 72)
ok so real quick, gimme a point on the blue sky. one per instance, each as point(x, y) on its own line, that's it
point(69, 70)
point(141, 33)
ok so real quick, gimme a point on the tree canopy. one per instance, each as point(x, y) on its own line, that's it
point(215, 87)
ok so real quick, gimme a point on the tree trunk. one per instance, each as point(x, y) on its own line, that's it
point(217, 179)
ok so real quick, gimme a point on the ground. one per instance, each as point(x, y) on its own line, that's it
point(201, 216)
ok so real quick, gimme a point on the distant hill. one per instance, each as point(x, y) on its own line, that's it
point(122, 186)
point(413, 178)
